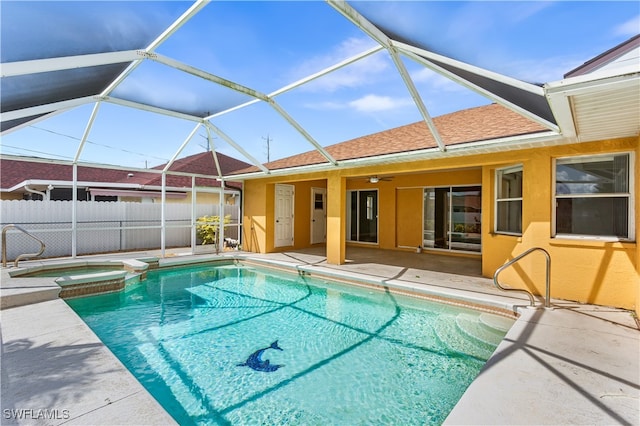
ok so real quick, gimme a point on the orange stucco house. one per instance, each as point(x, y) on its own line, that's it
point(494, 185)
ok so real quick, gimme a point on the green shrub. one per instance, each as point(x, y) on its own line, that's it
point(207, 228)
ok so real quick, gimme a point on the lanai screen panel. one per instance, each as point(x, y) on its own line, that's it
point(161, 86)
point(44, 30)
point(429, 40)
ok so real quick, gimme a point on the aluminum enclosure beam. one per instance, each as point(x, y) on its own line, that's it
point(234, 144)
point(247, 91)
point(188, 14)
point(149, 108)
point(303, 132)
point(303, 81)
point(87, 130)
point(207, 76)
point(11, 69)
point(183, 146)
point(361, 22)
point(47, 108)
point(213, 152)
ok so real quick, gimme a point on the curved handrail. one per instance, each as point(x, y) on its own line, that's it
point(547, 299)
point(22, 256)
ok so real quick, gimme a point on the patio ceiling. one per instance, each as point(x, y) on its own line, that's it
point(58, 73)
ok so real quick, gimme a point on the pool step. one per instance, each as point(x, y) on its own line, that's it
point(454, 340)
point(474, 329)
point(496, 322)
point(87, 284)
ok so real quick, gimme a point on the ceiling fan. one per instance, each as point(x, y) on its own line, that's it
point(376, 179)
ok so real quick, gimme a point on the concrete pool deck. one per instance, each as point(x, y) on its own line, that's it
point(574, 364)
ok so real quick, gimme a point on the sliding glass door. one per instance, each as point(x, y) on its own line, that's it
point(362, 223)
point(452, 218)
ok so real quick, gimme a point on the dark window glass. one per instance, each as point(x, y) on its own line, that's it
point(592, 196)
point(593, 216)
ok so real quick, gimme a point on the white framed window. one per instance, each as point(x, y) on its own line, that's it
point(594, 197)
point(508, 216)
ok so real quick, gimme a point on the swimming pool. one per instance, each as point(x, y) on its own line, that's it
point(238, 345)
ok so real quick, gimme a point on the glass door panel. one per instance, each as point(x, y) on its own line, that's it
point(452, 218)
point(466, 217)
point(363, 216)
point(368, 217)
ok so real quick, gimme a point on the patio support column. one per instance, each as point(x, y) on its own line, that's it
point(163, 219)
point(219, 244)
point(74, 212)
point(336, 218)
point(194, 201)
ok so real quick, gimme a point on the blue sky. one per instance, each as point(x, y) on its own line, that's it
point(267, 45)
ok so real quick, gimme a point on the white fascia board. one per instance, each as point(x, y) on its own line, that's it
point(562, 111)
point(150, 108)
point(36, 66)
point(559, 93)
point(595, 81)
point(44, 109)
point(69, 183)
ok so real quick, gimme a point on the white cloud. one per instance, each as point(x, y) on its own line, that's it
point(366, 104)
point(628, 28)
point(376, 103)
point(358, 74)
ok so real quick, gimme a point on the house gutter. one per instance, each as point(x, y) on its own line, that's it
point(33, 191)
point(97, 185)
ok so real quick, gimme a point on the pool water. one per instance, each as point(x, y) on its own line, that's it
point(347, 355)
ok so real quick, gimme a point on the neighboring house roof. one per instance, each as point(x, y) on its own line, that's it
point(626, 53)
point(471, 125)
point(14, 172)
point(203, 164)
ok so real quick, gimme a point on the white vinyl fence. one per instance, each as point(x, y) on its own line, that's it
point(104, 227)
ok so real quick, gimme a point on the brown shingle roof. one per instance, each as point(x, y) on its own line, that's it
point(13, 172)
point(203, 164)
point(470, 125)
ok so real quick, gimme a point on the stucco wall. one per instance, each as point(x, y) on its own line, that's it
point(585, 270)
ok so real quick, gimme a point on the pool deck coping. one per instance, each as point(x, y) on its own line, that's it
point(573, 364)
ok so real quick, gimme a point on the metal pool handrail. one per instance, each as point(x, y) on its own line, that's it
point(26, 255)
point(547, 299)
